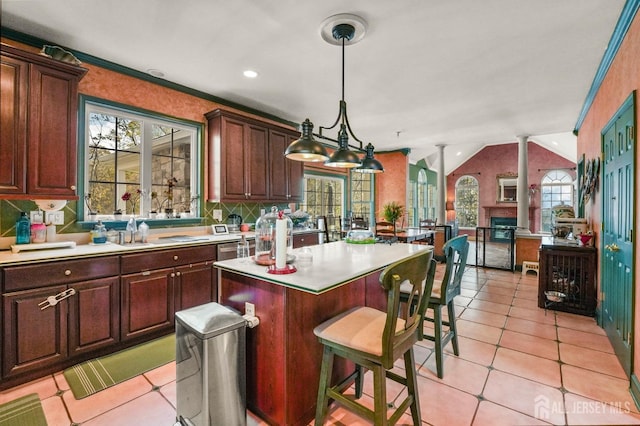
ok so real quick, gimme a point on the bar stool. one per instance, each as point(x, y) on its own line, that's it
point(373, 340)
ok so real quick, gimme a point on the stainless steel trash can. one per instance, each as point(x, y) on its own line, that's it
point(210, 366)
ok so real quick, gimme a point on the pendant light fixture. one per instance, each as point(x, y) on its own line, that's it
point(341, 30)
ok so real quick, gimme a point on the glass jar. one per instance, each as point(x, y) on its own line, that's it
point(266, 236)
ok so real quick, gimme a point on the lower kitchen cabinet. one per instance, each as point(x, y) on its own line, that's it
point(94, 315)
point(33, 338)
point(195, 284)
point(157, 284)
point(147, 303)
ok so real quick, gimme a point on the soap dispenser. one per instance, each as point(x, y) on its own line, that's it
point(99, 234)
point(23, 229)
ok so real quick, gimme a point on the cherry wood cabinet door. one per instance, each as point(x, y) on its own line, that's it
point(195, 285)
point(33, 338)
point(38, 152)
point(146, 303)
point(285, 175)
point(13, 122)
point(306, 239)
point(257, 155)
point(94, 315)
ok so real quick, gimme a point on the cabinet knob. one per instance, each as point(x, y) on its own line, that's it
point(178, 274)
point(67, 272)
point(73, 187)
point(175, 257)
point(172, 275)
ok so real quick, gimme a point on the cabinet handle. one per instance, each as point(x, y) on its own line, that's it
point(73, 187)
point(67, 272)
point(53, 300)
point(175, 257)
point(178, 274)
point(172, 275)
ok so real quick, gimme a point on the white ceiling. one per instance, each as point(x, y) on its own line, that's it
point(462, 73)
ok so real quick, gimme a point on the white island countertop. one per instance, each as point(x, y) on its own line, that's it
point(333, 264)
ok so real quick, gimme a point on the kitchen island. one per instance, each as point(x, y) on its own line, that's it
point(283, 354)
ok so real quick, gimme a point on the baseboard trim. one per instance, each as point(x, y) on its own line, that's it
point(635, 390)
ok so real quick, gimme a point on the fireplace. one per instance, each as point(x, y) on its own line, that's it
point(500, 227)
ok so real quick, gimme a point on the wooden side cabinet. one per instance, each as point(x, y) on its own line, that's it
point(570, 270)
point(286, 175)
point(39, 110)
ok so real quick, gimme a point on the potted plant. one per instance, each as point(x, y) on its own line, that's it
point(392, 211)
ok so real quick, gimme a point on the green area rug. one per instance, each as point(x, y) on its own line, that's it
point(24, 411)
point(98, 374)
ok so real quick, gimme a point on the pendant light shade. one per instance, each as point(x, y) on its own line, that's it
point(369, 164)
point(342, 29)
point(306, 148)
point(343, 157)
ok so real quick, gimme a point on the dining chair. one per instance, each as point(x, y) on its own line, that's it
point(374, 340)
point(442, 294)
point(385, 230)
point(429, 225)
point(359, 223)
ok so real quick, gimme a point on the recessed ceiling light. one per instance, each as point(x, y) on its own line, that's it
point(459, 153)
point(250, 74)
point(156, 73)
point(554, 142)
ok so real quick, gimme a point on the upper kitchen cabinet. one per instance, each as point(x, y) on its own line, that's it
point(39, 119)
point(246, 160)
point(286, 175)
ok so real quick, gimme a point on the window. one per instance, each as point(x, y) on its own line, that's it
point(556, 189)
point(323, 195)
point(418, 207)
point(362, 195)
point(137, 163)
point(466, 205)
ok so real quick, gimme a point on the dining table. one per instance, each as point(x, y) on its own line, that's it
point(409, 235)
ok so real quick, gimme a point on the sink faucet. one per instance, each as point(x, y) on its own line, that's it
point(133, 228)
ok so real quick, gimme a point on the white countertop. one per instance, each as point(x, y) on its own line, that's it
point(333, 264)
point(84, 249)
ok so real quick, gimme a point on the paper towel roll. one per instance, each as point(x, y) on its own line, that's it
point(281, 243)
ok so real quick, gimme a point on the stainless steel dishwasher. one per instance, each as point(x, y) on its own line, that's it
point(229, 250)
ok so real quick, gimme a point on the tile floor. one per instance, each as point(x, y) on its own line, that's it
point(518, 365)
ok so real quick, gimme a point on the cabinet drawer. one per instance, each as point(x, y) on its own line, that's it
point(303, 240)
point(132, 263)
point(46, 274)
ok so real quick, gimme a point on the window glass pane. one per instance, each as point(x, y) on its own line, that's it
point(120, 145)
point(466, 203)
point(361, 196)
point(557, 188)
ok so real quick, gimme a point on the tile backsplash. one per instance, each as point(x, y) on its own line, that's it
point(10, 212)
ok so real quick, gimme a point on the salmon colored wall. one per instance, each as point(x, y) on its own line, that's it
point(502, 159)
point(621, 80)
point(392, 184)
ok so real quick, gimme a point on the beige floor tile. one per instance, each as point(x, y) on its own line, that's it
point(525, 396)
point(484, 317)
point(162, 375)
point(84, 409)
point(528, 366)
point(587, 340)
point(147, 410)
point(45, 388)
point(495, 298)
point(458, 373)
point(444, 405)
point(499, 290)
point(474, 350)
point(473, 330)
point(537, 315)
point(483, 305)
point(169, 392)
point(529, 344)
point(596, 386)
point(527, 293)
point(579, 322)
point(546, 331)
point(601, 362)
point(54, 411)
point(490, 414)
point(585, 411)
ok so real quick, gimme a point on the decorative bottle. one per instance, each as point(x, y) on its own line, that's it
point(23, 229)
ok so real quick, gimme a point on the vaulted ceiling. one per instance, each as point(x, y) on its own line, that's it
point(462, 73)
